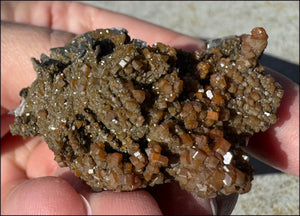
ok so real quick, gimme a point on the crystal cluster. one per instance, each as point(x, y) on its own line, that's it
point(123, 115)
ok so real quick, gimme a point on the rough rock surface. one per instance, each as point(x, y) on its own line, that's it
point(123, 115)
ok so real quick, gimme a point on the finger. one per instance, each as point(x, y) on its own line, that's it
point(3, 110)
point(41, 163)
point(14, 154)
point(20, 43)
point(11, 176)
point(6, 119)
point(137, 202)
point(279, 145)
point(17, 150)
point(48, 195)
point(78, 18)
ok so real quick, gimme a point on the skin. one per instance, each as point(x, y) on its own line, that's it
point(32, 182)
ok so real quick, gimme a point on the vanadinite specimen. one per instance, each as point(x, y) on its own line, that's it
point(123, 115)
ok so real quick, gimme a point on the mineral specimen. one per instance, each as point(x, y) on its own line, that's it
point(123, 115)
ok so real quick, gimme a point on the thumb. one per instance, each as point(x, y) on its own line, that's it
point(20, 43)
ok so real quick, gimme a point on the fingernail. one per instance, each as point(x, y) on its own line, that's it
point(223, 205)
point(87, 205)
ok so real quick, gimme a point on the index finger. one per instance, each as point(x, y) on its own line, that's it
point(79, 18)
point(279, 145)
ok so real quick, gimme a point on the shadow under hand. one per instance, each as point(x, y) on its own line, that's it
point(172, 200)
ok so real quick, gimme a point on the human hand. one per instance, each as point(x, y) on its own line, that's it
point(32, 182)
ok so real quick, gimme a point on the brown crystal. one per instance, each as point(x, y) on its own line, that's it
point(123, 115)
